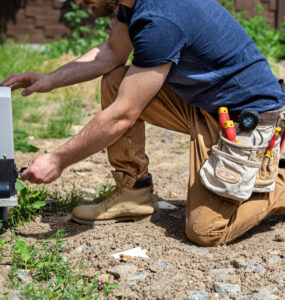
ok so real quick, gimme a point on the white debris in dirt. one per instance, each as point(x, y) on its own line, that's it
point(226, 288)
point(254, 267)
point(135, 252)
point(266, 293)
point(197, 295)
point(24, 277)
point(222, 273)
point(166, 205)
point(78, 250)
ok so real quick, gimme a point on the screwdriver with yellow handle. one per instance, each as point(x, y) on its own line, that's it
point(272, 143)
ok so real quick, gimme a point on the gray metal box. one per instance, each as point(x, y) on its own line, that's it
point(8, 172)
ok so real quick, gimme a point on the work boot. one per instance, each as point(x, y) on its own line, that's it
point(131, 200)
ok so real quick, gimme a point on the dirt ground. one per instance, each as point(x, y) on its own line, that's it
point(251, 268)
point(176, 269)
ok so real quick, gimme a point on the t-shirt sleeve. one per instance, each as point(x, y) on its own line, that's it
point(156, 42)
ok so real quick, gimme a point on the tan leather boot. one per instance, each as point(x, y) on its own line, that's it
point(131, 200)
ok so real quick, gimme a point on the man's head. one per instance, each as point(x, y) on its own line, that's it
point(100, 8)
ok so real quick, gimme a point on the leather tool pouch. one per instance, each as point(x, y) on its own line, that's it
point(235, 171)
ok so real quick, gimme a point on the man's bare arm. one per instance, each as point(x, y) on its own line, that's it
point(98, 61)
point(139, 86)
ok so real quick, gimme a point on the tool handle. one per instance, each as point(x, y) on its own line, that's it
point(272, 143)
point(229, 131)
point(223, 117)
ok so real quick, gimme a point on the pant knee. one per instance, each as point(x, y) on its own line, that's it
point(205, 240)
point(110, 84)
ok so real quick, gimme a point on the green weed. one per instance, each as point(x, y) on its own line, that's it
point(32, 202)
point(29, 204)
point(54, 276)
point(270, 41)
point(84, 35)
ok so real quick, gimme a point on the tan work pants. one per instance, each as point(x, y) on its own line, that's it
point(210, 220)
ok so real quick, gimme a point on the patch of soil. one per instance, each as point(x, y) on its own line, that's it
point(174, 267)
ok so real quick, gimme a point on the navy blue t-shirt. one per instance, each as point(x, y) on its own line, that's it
point(215, 62)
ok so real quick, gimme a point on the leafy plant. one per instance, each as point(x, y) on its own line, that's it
point(85, 35)
point(20, 143)
point(103, 191)
point(29, 204)
point(270, 41)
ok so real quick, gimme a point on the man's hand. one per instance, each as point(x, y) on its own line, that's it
point(44, 169)
point(31, 82)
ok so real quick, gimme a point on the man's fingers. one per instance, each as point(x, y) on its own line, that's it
point(20, 78)
point(5, 81)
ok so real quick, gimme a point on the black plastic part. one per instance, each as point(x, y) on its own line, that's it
point(8, 174)
point(282, 163)
point(5, 190)
point(4, 214)
point(249, 119)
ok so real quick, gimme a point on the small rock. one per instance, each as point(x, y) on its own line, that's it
point(4, 272)
point(103, 278)
point(222, 273)
point(82, 167)
point(254, 267)
point(241, 297)
point(266, 293)
point(273, 252)
point(123, 271)
point(281, 278)
point(226, 288)
point(93, 248)
point(170, 132)
point(15, 295)
point(197, 250)
point(24, 277)
point(161, 265)
point(78, 250)
point(239, 263)
point(275, 260)
point(138, 276)
point(166, 205)
point(88, 191)
point(278, 238)
point(197, 295)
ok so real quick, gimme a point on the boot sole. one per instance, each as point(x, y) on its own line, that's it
point(137, 219)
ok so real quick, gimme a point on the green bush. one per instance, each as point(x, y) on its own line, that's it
point(84, 36)
point(269, 41)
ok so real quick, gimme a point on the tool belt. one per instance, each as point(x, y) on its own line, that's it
point(234, 171)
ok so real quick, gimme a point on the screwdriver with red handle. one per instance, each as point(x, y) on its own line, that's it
point(272, 143)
